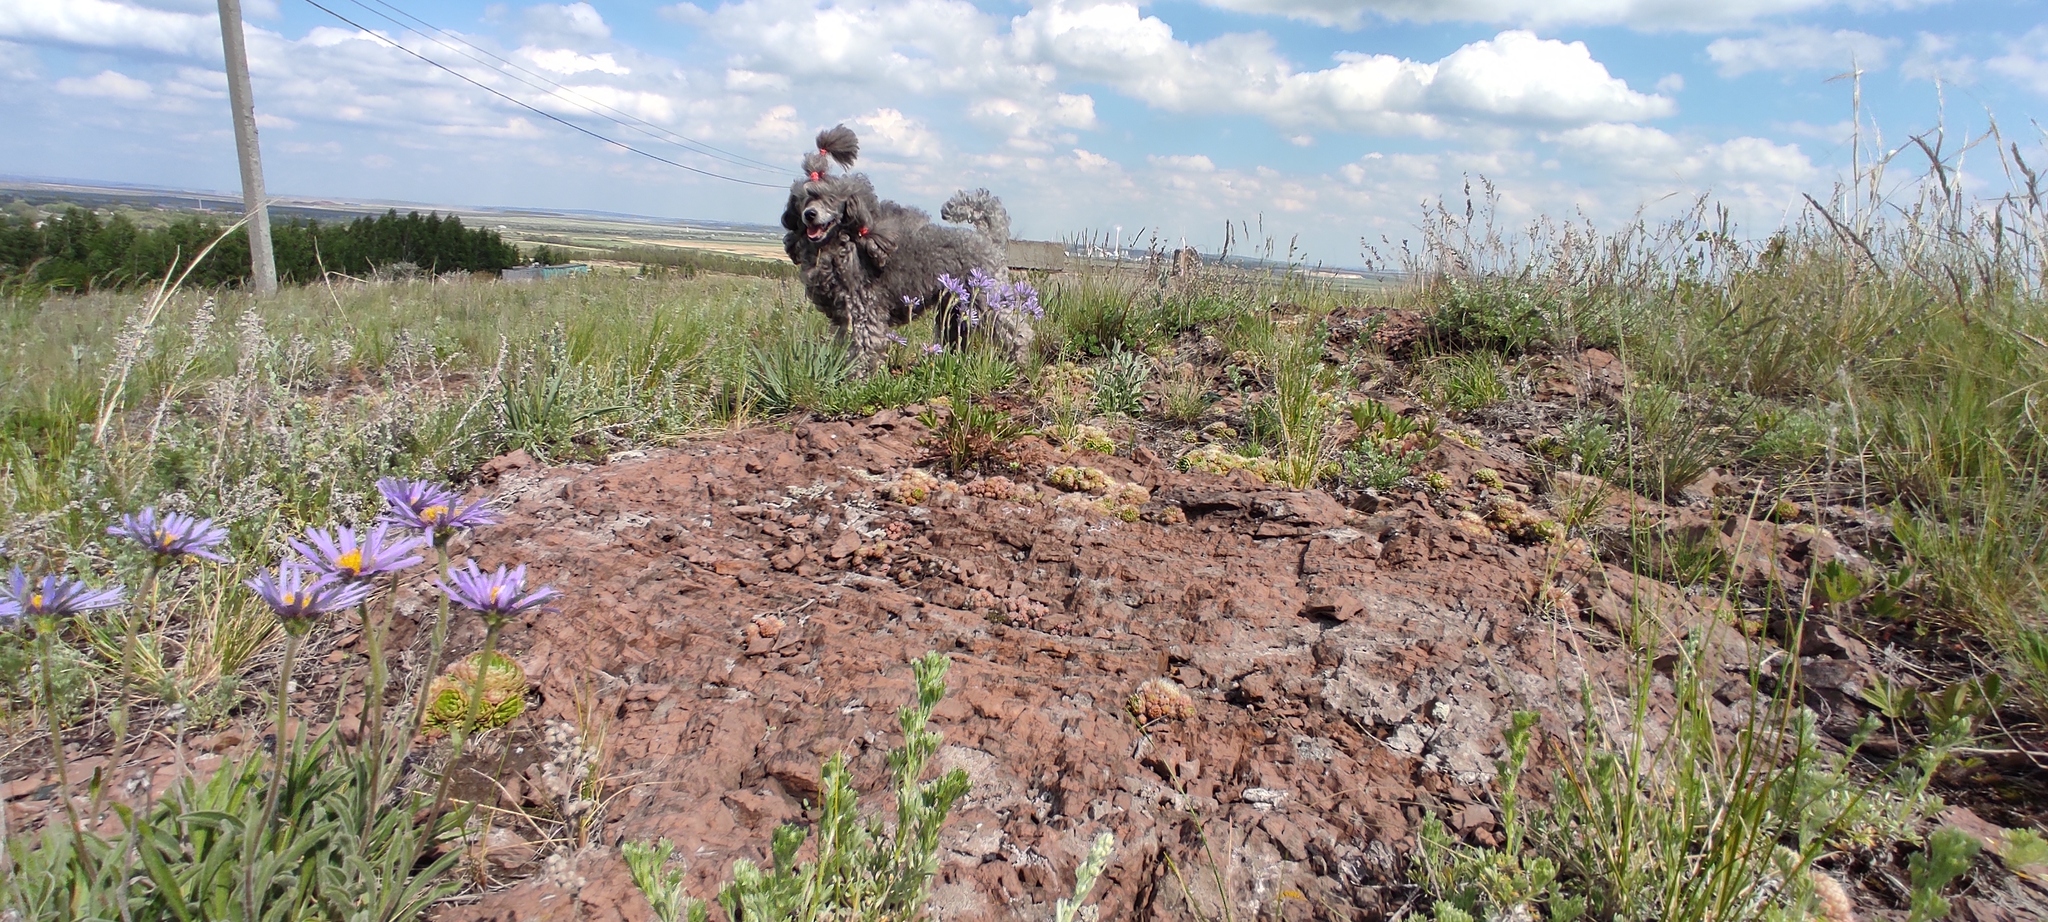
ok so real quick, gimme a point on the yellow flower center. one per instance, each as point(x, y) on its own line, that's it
point(496, 591)
point(433, 514)
point(35, 601)
point(351, 562)
point(294, 599)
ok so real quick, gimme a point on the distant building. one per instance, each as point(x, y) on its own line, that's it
point(538, 272)
point(1037, 256)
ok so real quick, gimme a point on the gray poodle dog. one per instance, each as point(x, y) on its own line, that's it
point(872, 264)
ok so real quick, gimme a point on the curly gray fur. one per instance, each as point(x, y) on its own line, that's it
point(981, 210)
point(870, 264)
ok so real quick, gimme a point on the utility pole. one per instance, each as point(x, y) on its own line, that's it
point(262, 262)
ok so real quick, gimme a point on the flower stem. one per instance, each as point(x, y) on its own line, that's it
point(434, 646)
point(284, 688)
point(373, 696)
point(119, 722)
point(45, 642)
point(460, 736)
point(278, 765)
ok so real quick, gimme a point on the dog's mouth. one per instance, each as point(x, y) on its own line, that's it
point(818, 231)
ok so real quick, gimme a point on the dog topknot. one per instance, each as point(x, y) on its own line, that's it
point(838, 142)
point(816, 164)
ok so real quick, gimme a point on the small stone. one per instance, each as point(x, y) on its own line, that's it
point(1263, 798)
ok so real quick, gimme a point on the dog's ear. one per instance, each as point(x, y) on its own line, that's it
point(793, 212)
point(876, 248)
point(859, 217)
point(800, 248)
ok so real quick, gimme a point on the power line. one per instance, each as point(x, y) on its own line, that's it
point(687, 143)
point(543, 114)
point(680, 140)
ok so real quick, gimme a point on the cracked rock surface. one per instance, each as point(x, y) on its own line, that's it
point(737, 611)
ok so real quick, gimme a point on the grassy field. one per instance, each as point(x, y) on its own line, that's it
point(581, 235)
point(1860, 359)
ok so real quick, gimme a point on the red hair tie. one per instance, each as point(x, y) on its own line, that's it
point(817, 177)
point(863, 231)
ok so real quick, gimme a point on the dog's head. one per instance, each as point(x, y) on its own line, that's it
point(819, 210)
point(821, 207)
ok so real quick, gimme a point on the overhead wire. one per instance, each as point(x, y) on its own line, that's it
point(536, 110)
point(657, 132)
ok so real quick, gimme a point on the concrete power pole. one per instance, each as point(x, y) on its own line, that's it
point(262, 262)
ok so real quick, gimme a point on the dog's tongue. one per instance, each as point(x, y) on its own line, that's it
point(816, 233)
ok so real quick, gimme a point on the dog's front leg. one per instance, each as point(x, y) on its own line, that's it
point(866, 334)
point(837, 313)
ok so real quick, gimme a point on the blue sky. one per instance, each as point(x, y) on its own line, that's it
point(1329, 121)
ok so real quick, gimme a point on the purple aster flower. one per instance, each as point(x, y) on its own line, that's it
point(50, 598)
point(299, 594)
point(934, 349)
point(432, 508)
point(912, 302)
point(173, 536)
point(344, 553)
point(1023, 299)
point(898, 339)
point(981, 281)
point(964, 294)
point(497, 595)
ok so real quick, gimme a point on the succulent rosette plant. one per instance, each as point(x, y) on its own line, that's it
point(495, 688)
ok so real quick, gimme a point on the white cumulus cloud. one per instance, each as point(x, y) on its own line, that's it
point(777, 127)
point(1800, 48)
point(2025, 61)
point(1640, 14)
point(108, 84)
point(1033, 124)
point(566, 61)
point(1195, 163)
point(1650, 153)
point(891, 132)
point(17, 62)
point(852, 53)
point(1934, 57)
point(109, 24)
point(1514, 76)
point(572, 21)
point(1518, 75)
point(1013, 78)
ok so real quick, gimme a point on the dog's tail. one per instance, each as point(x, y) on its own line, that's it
point(981, 210)
point(839, 143)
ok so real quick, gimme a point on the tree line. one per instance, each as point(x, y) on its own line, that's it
point(81, 251)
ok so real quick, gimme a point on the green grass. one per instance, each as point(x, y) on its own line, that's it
point(308, 397)
point(1901, 370)
point(690, 262)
